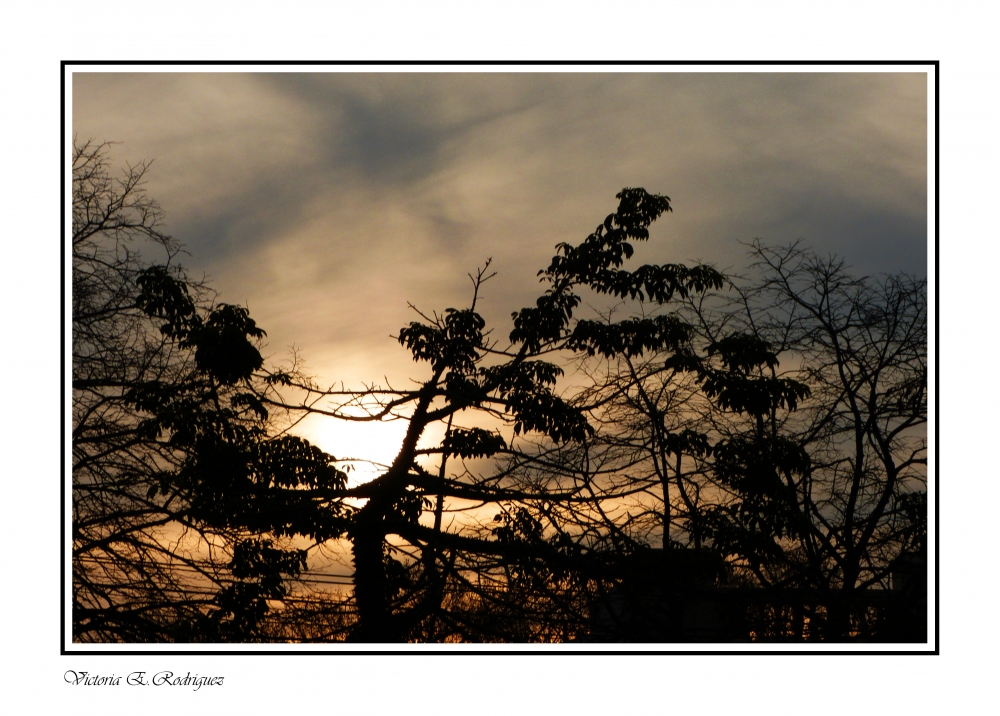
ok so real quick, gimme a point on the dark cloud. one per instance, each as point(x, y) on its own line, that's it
point(329, 200)
point(269, 206)
point(390, 130)
point(370, 136)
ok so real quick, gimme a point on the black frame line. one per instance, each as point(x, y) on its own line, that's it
point(541, 651)
point(62, 359)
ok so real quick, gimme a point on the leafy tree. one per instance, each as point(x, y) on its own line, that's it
point(500, 411)
point(183, 497)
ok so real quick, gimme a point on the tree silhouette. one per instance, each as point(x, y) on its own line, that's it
point(403, 564)
point(806, 476)
point(750, 458)
point(182, 496)
point(860, 505)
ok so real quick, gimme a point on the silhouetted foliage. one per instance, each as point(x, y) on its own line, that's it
point(179, 491)
point(808, 479)
point(406, 570)
point(732, 459)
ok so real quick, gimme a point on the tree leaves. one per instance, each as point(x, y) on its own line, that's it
point(454, 345)
point(285, 486)
point(546, 322)
point(741, 385)
point(588, 264)
point(163, 294)
point(743, 352)
point(632, 337)
point(525, 388)
point(222, 344)
point(475, 442)
point(755, 395)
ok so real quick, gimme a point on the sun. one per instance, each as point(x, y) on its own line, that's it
point(368, 447)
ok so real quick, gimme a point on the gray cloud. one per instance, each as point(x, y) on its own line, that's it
point(329, 200)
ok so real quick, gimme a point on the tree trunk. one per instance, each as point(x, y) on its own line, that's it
point(376, 622)
point(370, 581)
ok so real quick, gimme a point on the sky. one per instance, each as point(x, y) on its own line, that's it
point(328, 201)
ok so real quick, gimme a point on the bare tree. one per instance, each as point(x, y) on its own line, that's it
point(807, 474)
point(129, 584)
point(861, 346)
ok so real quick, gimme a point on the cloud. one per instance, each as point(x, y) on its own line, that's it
point(329, 200)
